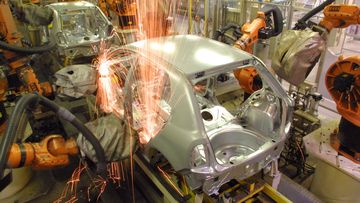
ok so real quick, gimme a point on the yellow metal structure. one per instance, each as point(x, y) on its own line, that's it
point(249, 192)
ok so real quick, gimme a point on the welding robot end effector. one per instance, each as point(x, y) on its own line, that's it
point(32, 14)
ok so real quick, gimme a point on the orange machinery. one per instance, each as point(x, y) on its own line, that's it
point(153, 15)
point(50, 152)
point(342, 78)
point(124, 9)
point(18, 64)
point(340, 16)
point(262, 27)
point(343, 83)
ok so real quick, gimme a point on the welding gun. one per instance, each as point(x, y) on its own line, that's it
point(31, 13)
point(268, 23)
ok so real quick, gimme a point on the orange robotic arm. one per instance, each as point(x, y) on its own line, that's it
point(251, 33)
point(343, 82)
point(340, 16)
point(268, 23)
point(343, 77)
point(19, 65)
point(246, 76)
point(124, 9)
point(259, 28)
point(51, 152)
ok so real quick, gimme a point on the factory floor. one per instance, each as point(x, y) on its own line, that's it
point(49, 185)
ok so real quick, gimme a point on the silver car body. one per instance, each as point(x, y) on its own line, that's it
point(201, 139)
point(78, 27)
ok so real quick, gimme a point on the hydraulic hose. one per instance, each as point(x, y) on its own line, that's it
point(33, 50)
point(302, 21)
point(30, 100)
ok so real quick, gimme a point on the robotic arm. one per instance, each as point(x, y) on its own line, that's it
point(124, 9)
point(15, 55)
point(251, 33)
point(343, 77)
point(262, 27)
point(340, 16)
point(32, 14)
point(299, 49)
point(50, 152)
point(343, 83)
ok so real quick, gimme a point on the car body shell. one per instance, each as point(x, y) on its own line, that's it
point(186, 134)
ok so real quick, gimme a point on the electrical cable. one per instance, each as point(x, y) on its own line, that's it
point(12, 126)
point(301, 24)
point(32, 50)
point(222, 31)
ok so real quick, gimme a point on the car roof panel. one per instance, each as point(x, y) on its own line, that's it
point(193, 55)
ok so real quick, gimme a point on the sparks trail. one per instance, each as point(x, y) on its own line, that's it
point(99, 183)
point(111, 77)
point(149, 95)
point(154, 20)
point(115, 171)
point(71, 186)
point(149, 100)
point(149, 106)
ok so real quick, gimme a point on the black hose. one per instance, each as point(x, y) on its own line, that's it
point(33, 50)
point(32, 100)
point(221, 31)
point(68, 116)
point(12, 126)
point(217, 34)
point(302, 21)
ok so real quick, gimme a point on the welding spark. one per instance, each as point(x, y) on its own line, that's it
point(149, 107)
point(100, 184)
point(149, 100)
point(71, 186)
point(111, 74)
point(115, 173)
